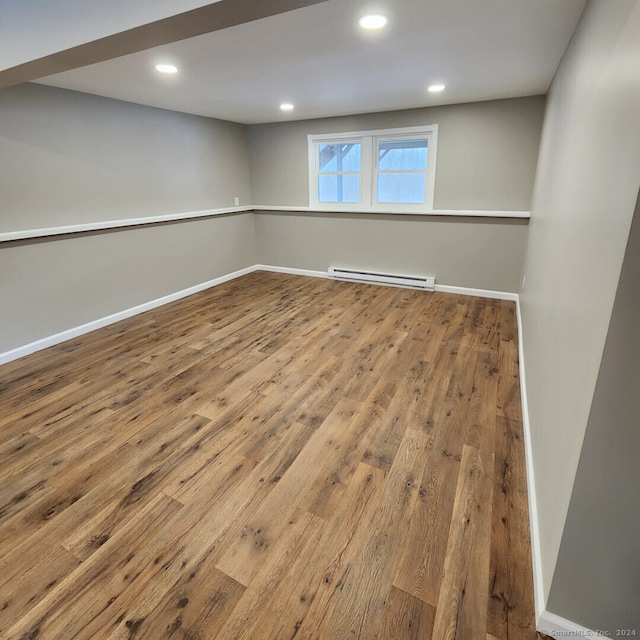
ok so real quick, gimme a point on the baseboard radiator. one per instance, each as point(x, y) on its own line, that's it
point(427, 283)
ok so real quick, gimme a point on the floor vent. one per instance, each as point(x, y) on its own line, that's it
point(414, 282)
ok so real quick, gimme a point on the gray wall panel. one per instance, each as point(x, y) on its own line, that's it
point(597, 578)
point(582, 207)
point(70, 158)
point(468, 252)
point(52, 285)
point(486, 159)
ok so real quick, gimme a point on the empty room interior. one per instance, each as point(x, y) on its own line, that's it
point(319, 319)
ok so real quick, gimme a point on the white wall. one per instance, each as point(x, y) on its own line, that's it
point(583, 202)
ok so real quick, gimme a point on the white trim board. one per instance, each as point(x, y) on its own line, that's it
point(478, 293)
point(440, 288)
point(9, 236)
point(291, 271)
point(27, 234)
point(557, 627)
point(459, 213)
point(534, 523)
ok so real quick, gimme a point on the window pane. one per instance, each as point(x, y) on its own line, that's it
point(339, 188)
point(402, 155)
point(339, 157)
point(401, 187)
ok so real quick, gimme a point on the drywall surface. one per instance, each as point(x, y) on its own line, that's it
point(582, 207)
point(31, 30)
point(597, 577)
point(70, 158)
point(56, 284)
point(479, 253)
point(486, 156)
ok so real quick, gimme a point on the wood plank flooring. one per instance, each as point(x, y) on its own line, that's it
point(278, 457)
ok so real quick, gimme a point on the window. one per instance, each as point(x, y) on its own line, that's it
point(391, 170)
point(339, 172)
point(401, 170)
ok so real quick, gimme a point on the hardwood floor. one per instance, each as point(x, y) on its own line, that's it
point(277, 457)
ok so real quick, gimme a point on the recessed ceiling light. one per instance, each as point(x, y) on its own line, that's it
point(286, 106)
point(166, 68)
point(373, 21)
point(436, 88)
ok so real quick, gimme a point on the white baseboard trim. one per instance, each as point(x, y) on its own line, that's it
point(69, 334)
point(291, 271)
point(534, 523)
point(442, 288)
point(478, 293)
point(557, 627)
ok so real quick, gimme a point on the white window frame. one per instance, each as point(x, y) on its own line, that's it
point(369, 141)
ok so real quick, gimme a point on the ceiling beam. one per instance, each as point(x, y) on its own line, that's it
point(212, 17)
